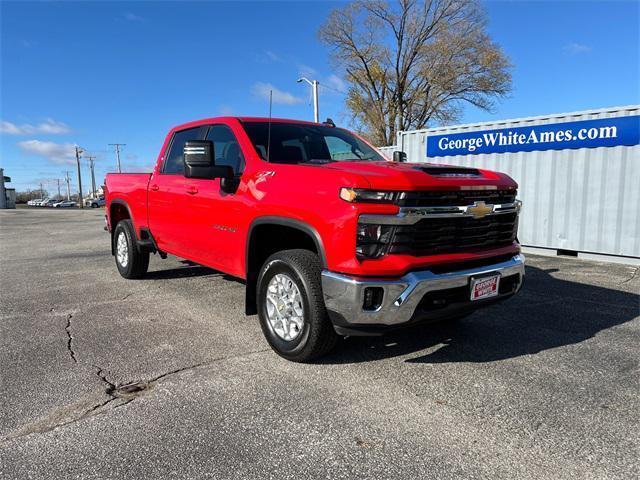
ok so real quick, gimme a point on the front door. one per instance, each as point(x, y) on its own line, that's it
point(213, 214)
point(168, 197)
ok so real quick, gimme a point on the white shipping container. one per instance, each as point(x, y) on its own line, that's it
point(578, 199)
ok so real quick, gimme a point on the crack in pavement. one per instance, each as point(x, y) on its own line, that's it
point(67, 329)
point(124, 393)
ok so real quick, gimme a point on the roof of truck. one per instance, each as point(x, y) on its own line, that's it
point(204, 121)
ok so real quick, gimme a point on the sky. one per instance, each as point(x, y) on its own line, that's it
point(94, 73)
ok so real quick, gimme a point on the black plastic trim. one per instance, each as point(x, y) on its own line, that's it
point(250, 301)
point(288, 222)
point(118, 201)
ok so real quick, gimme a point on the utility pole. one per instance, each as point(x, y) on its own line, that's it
point(67, 179)
point(118, 145)
point(78, 153)
point(41, 191)
point(3, 191)
point(93, 175)
point(59, 196)
point(314, 85)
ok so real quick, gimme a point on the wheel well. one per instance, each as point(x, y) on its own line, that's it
point(265, 240)
point(117, 212)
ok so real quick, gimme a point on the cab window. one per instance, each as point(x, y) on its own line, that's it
point(174, 159)
point(226, 147)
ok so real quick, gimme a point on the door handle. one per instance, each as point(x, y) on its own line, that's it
point(155, 188)
point(192, 190)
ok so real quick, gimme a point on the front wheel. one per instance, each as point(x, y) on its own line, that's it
point(291, 307)
point(131, 261)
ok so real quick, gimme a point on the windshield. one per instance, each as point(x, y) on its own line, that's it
point(303, 143)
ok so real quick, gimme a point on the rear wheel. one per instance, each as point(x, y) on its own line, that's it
point(131, 261)
point(291, 306)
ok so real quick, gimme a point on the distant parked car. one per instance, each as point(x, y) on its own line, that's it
point(34, 202)
point(41, 202)
point(65, 204)
point(48, 202)
point(95, 202)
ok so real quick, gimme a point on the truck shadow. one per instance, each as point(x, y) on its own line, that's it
point(190, 269)
point(547, 313)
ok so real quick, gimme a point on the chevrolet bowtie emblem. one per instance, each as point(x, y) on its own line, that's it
point(479, 209)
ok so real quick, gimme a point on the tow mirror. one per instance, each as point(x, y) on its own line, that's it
point(199, 161)
point(399, 156)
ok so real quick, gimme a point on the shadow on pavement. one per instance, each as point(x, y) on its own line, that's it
point(190, 269)
point(547, 313)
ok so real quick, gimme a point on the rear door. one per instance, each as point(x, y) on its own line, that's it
point(168, 198)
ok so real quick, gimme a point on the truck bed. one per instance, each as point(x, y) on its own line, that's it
point(132, 189)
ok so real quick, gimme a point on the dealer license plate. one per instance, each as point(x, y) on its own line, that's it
point(485, 287)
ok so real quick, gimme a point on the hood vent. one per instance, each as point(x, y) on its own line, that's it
point(450, 171)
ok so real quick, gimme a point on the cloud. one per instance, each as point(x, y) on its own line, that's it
point(226, 110)
point(57, 153)
point(132, 17)
point(274, 57)
point(576, 48)
point(137, 167)
point(261, 90)
point(334, 82)
point(49, 126)
point(307, 71)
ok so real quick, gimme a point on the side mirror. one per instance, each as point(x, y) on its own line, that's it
point(199, 161)
point(399, 156)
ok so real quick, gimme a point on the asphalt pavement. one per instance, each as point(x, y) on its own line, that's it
point(165, 377)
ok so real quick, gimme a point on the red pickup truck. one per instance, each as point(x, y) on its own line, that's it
point(331, 238)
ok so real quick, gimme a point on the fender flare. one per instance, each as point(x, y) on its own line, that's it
point(286, 222)
point(250, 300)
point(118, 201)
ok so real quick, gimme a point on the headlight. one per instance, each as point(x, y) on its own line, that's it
point(372, 240)
point(364, 195)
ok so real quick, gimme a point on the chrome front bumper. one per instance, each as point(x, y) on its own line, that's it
point(344, 294)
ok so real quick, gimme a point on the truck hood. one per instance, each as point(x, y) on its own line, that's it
point(417, 176)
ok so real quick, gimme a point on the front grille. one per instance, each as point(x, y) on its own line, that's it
point(455, 197)
point(432, 236)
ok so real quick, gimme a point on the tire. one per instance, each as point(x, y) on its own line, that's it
point(131, 261)
point(315, 336)
point(94, 205)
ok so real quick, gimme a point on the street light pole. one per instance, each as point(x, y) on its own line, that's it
point(314, 85)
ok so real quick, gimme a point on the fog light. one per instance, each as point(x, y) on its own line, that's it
point(372, 298)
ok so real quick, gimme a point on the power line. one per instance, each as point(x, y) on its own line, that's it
point(334, 89)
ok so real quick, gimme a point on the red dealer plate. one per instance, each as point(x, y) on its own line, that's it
point(485, 287)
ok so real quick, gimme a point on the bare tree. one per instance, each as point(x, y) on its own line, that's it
point(414, 63)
